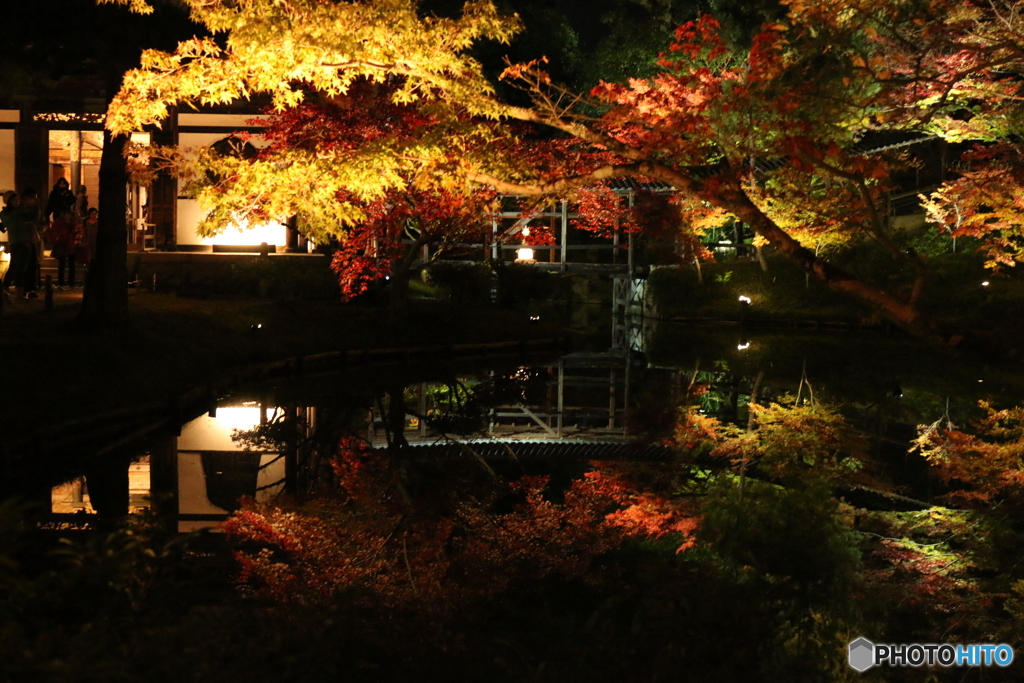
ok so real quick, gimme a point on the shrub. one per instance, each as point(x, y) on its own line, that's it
point(519, 284)
point(468, 283)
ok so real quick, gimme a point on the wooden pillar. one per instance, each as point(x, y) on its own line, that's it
point(31, 156)
point(76, 161)
point(163, 478)
point(291, 455)
point(163, 195)
point(611, 399)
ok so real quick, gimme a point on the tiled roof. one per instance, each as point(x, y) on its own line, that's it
point(550, 450)
point(631, 184)
point(880, 141)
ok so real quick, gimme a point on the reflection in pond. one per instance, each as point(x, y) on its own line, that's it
point(618, 515)
point(215, 471)
point(73, 497)
point(582, 396)
point(258, 449)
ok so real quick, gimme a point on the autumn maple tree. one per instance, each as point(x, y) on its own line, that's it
point(380, 230)
point(769, 134)
point(446, 545)
point(983, 464)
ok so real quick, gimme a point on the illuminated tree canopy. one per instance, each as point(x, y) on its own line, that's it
point(768, 134)
point(275, 47)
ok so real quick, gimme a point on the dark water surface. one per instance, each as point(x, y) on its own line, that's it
point(274, 437)
point(761, 577)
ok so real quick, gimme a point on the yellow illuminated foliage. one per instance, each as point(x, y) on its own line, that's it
point(767, 135)
point(282, 47)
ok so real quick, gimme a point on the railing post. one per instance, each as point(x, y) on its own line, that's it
point(561, 397)
point(629, 255)
point(565, 231)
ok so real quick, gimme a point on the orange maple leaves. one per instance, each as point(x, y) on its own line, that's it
point(444, 548)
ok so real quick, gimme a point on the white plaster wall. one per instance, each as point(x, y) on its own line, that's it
point(189, 211)
point(207, 433)
point(269, 474)
point(226, 121)
point(6, 160)
point(192, 498)
point(192, 495)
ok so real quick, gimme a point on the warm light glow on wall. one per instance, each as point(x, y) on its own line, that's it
point(190, 214)
point(207, 433)
point(239, 417)
point(271, 233)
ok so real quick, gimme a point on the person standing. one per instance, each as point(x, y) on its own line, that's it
point(87, 247)
point(82, 202)
point(61, 199)
point(21, 221)
point(33, 213)
point(64, 236)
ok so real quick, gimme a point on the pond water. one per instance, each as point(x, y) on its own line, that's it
point(276, 437)
point(513, 515)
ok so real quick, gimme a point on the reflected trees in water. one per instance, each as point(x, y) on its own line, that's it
point(764, 542)
point(749, 540)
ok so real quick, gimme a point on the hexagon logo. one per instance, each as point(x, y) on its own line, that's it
point(862, 654)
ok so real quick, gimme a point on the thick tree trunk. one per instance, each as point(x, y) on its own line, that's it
point(105, 301)
point(731, 197)
point(901, 313)
point(398, 292)
point(401, 270)
point(726, 193)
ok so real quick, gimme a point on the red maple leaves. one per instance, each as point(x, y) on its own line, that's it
point(443, 548)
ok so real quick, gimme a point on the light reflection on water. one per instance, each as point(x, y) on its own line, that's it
point(588, 397)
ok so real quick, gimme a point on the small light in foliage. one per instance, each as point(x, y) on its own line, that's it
point(985, 283)
point(534, 319)
point(745, 300)
point(744, 344)
point(256, 327)
point(523, 373)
